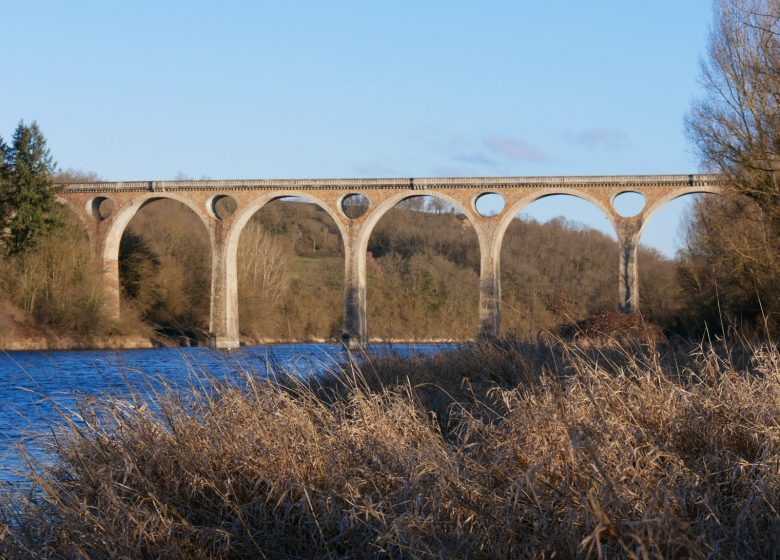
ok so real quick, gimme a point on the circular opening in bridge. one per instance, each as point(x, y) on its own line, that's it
point(354, 205)
point(102, 207)
point(489, 204)
point(223, 206)
point(628, 203)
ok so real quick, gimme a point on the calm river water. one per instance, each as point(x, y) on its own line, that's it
point(33, 385)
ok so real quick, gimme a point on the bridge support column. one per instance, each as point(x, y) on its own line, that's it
point(489, 281)
point(106, 266)
point(355, 333)
point(628, 273)
point(109, 271)
point(223, 319)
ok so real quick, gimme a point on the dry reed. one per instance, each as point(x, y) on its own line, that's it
point(493, 451)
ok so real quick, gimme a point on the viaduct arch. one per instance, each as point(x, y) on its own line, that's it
point(248, 196)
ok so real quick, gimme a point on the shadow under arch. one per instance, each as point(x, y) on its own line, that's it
point(240, 221)
point(552, 271)
point(422, 269)
point(290, 273)
point(157, 265)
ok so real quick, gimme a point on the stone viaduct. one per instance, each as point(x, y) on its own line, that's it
point(106, 209)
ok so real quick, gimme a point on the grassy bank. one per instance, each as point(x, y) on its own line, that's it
point(493, 451)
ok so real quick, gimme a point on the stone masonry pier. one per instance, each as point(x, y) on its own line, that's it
point(106, 208)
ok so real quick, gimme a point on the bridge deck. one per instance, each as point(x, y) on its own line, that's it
point(106, 208)
point(422, 183)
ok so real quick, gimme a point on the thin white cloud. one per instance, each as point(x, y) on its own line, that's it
point(375, 170)
point(475, 158)
point(454, 171)
point(601, 138)
point(516, 149)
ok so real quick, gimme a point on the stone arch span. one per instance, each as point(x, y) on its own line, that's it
point(126, 213)
point(356, 239)
point(243, 215)
point(229, 324)
point(374, 215)
point(115, 228)
point(551, 270)
point(658, 302)
point(662, 201)
point(492, 231)
point(629, 234)
point(513, 210)
point(439, 299)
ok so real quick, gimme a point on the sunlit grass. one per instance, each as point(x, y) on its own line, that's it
point(493, 451)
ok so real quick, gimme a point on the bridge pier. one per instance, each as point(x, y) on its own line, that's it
point(355, 334)
point(106, 225)
point(489, 281)
point(223, 316)
point(105, 256)
point(111, 288)
point(628, 232)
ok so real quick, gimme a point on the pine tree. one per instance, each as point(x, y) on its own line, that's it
point(3, 166)
point(28, 205)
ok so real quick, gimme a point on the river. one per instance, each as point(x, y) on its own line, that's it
point(37, 387)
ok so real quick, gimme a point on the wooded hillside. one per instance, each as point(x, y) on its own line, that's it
point(423, 275)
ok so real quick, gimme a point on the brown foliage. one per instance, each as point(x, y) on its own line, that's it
point(725, 271)
point(165, 269)
point(54, 283)
point(423, 276)
point(295, 292)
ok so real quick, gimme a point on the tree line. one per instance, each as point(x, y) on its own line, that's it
point(423, 276)
point(423, 262)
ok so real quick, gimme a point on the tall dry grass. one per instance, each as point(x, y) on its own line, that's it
point(489, 452)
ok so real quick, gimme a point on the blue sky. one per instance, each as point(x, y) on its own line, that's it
point(148, 90)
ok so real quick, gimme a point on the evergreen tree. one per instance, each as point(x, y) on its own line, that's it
point(28, 207)
point(3, 166)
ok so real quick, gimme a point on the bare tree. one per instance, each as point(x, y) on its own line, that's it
point(735, 127)
point(262, 266)
point(732, 263)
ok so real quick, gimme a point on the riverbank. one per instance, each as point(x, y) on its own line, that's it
point(488, 451)
point(135, 342)
point(76, 342)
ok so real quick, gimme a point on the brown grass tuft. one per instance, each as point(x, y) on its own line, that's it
point(488, 452)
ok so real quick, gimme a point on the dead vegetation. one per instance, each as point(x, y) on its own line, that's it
point(611, 328)
point(489, 452)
